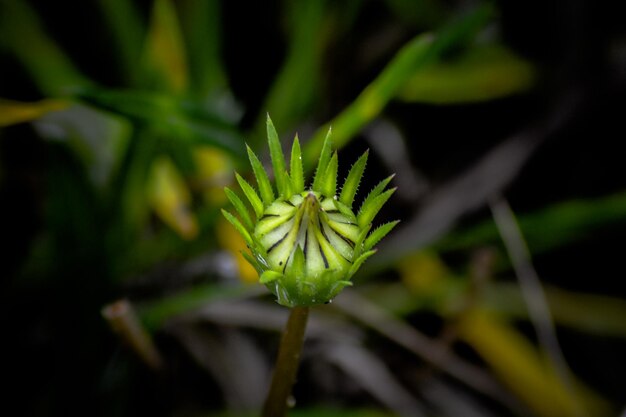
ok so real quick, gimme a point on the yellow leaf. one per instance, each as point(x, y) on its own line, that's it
point(422, 273)
point(522, 368)
point(214, 171)
point(165, 53)
point(12, 112)
point(170, 198)
point(232, 241)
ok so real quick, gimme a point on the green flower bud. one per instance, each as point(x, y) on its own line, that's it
point(307, 244)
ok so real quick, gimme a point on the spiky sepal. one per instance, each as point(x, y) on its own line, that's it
point(307, 244)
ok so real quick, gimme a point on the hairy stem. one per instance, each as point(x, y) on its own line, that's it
point(286, 364)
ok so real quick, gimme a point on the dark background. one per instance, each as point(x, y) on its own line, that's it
point(62, 359)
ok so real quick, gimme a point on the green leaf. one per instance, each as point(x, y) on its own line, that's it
point(130, 180)
point(248, 190)
point(155, 313)
point(278, 159)
point(296, 86)
point(125, 34)
point(201, 22)
point(173, 117)
point(241, 209)
point(329, 186)
point(265, 188)
point(379, 233)
point(323, 162)
point(269, 276)
point(419, 13)
point(23, 33)
point(482, 73)
point(369, 211)
point(417, 53)
point(351, 185)
point(376, 192)
point(239, 227)
point(550, 227)
point(297, 174)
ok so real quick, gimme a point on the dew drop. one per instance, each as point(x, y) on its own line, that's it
point(291, 401)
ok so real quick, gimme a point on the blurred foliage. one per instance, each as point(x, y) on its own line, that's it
point(417, 53)
point(550, 227)
point(482, 73)
point(127, 193)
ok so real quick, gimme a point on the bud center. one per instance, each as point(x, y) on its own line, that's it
point(312, 224)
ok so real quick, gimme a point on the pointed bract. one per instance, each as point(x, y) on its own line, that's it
point(345, 210)
point(323, 162)
point(265, 188)
point(359, 261)
point(297, 173)
point(253, 197)
point(278, 159)
point(351, 185)
point(329, 185)
point(298, 262)
point(288, 186)
point(380, 187)
point(241, 208)
point(239, 227)
point(358, 246)
point(369, 211)
point(378, 234)
point(269, 276)
point(255, 264)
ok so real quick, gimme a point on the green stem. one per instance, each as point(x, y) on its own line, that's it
point(286, 364)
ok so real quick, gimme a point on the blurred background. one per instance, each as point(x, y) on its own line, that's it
point(500, 294)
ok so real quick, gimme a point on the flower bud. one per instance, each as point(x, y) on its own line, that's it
point(307, 244)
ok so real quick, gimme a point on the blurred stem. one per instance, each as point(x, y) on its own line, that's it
point(533, 294)
point(122, 318)
point(286, 364)
point(126, 32)
point(481, 270)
